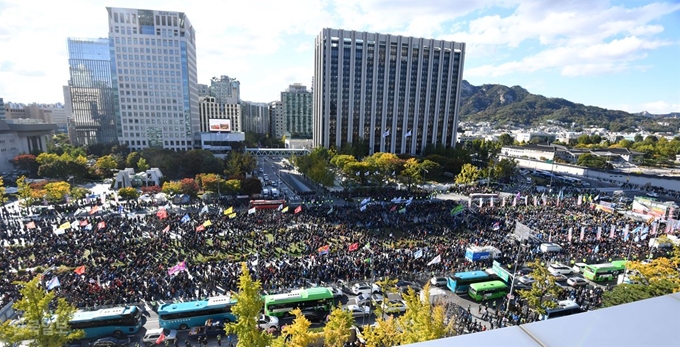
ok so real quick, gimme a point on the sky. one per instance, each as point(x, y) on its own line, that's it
point(615, 54)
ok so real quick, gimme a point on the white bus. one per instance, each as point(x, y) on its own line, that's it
point(564, 308)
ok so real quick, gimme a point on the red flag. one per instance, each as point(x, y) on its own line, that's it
point(101, 225)
point(298, 209)
point(161, 338)
point(94, 209)
point(353, 247)
point(83, 223)
point(30, 225)
point(166, 229)
point(162, 214)
point(200, 228)
point(394, 208)
point(80, 270)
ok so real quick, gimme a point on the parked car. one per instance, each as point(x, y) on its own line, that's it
point(560, 269)
point(337, 291)
point(528, 279)
point(403, 286)
point(394, 306)
point(577, 282)
point(358, 311)
point(152, 336)
point(559, 277)
point(111, 342)
point(363, 299)
point(438, 281)
point(314, 316)
point(377, 299)
point(578, 267)
point(365, 288)
point(267, 322)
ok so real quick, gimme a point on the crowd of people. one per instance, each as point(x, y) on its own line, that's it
point(108, 258)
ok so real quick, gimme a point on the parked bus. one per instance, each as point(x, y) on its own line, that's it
point(267, 204)
point(116, 321)
point(564, 308)
point(189, 314)
point(318, 298)
point(604, 272)
point(488, 290)
point(460, 282)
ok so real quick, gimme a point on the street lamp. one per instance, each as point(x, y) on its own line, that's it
point(512, 284)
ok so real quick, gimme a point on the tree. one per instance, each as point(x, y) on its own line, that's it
point(423, 321)
point(142, 165)
point(128, 193)
point(247, 308)
point(341, 160)
point(413, 171)
point(26, 162)
point(106, 164)
point(239, 163)
point(78, 193)
point(132, 160)
point(40, 328)
point(593, 161)
point(384, 333)
point(24, 192)
point(172, 187)
point(56, 191)
point(504, 169)
point(251, 186)
point(543, 285)
point(210, 182)
point(468, 174)
point(189, 187)
point(151, 190)
point(296, 334)
point(336, 332)
point(232, 187)
point(506, 140)
point(3, 199)
point(625, 293)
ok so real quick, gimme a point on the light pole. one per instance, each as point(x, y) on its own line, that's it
point(512, 284)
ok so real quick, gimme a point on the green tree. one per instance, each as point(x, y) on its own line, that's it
point(593, 161)
point(3, 198)
point(341, 160)
point(40, 328)
point(543, 286)
point(238, 163)
point(468, 174)
point(78, 193)
point(251, 186)
point(296, 334)
point(412, 171)
point(336, 332)
point(56, 191)
point(626, 293)
point(132, 160)
point(232, 187)
point(142, 165)
point(24, 192)
point(506, 140)
point(172, 187)
point(128, 193)
point(504, 169)
point(106, 164)
point(248, 305)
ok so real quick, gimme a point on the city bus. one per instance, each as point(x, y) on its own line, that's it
point(318, 298)
point(116, 321)
point(564, 308)
point(488, 290)
point(189, 314)
point(476, 196)
point(604, 272)
point(460, 282)
point(267, 204)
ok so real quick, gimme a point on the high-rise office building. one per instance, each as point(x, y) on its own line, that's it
point(216, 114)
point(203, 90)
point(91, 97)
point(225, 89)
point(255, 117)
point(397, 93)
point(153, 65)
point(276, 119)
point(297, 111)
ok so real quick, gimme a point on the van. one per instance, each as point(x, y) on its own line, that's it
point(550, 247)
point(578, 267)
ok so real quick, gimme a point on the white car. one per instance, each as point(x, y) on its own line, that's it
point(337, 292)
point(363, 299)
point(358, 311)
point(152, 336)
point(528, 279)
point(438, 281)
point(365, 288)
point(559, 269)
point(266, 322)
point(578, 267)
point(577, 282)
point(394, 306)
point(559, 277)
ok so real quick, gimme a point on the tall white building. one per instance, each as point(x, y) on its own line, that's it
point(153, 67)
point(277, 122)
point(397, 93)
point(225, 89)
point(210, 109)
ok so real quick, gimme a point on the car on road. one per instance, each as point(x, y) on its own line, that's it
point(403, 286)
point(367, 299)
point(111, 342)
point(559, 269)
point(578, 267)
point(365, 288)
point(438, 281)
point(559, 277)
point(394, 306)
point(337, 291)
point(314, 316)
point(577, 282)
point(528, 279)
point(377, 299)
point(261, 170)
point(152, 336)
point(267, 322)
point(357, 311)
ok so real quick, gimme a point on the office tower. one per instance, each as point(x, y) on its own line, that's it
point(397, 93)
point(216, 117)
point(153, 65)
point(277, 123)
point(255, 117)
point(2, 109)
point(297, 111)
point(92, 99)
point(203, 90)
point(225, 89)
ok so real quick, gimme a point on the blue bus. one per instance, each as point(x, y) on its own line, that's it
point(460, 282)
point(189, 314)
point(116, 321)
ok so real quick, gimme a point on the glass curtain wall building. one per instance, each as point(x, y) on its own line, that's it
point(297, 109)
point(399, 94)
point(153, 65)
point(92, 100)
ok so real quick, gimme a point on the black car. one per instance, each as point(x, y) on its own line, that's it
point(314, 316)
point(403, 286)
point(111, 342)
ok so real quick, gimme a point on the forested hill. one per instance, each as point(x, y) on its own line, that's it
point(504, 105)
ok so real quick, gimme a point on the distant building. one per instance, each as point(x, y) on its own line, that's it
point(618, 154)
point(225, 114)
point(543, 137)
point(203, 90)
point(277, 122)
point(297, 111)
point(550, 152)
point(2, 109)
point(398, 93)
point(536, 152)
point(18, 138)
point(225, 89)
point(37, 114)
point(128, 178)
point(255, 117)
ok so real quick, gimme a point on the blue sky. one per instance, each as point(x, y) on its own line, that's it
point(614, 54)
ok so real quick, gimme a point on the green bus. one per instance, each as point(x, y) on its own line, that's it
point(488, 290)
point(318, 298)
point(604, 272)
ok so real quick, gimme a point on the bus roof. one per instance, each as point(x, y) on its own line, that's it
point(103, 313)
point(310, 293)
point(489, 284)
point(564, 304)
point(193, 305)
point(471, 274)
point(606, 265)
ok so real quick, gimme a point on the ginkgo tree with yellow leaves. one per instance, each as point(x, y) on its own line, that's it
point(296, 334)
point(336, 332)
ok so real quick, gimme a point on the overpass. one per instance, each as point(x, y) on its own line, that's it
point(276, 152)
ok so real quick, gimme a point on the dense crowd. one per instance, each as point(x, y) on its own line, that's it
point(126, 258)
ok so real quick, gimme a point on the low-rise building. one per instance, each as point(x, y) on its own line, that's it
point(128, 178)
point(18, 138)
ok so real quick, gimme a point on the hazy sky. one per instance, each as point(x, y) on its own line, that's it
point(614, 54)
